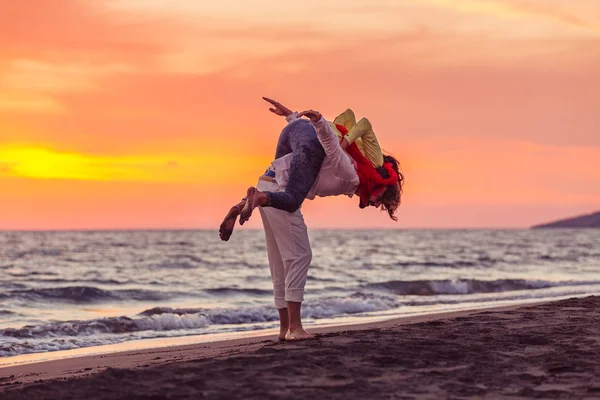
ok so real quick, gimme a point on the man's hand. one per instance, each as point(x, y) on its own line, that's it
point(314, 116)
point(278, 108)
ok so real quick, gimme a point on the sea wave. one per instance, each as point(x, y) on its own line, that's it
point(167, 321)
point(166, 318)
point(467, 286)
point(178, 243)
point(85, 294)
point(84, 281)
point(123, 324)
point(30, 274)
point(38, 252)
point(547, 294)
point(450, 264)
point(10, 348)
point(227, 291)
point(356, 303)
point(172, 265)
point(72, 328)
point(92, 294)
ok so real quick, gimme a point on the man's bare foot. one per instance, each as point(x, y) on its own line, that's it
point(226, 228)
point(282, 332)
point(252, 200)
point(298, 334)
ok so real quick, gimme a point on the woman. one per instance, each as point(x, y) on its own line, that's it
point(346, 172)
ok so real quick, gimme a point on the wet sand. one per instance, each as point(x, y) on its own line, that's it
point(549, 350)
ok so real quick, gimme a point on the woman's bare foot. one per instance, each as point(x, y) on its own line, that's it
point(226, 228)
point(298, 334)
point(254, 198)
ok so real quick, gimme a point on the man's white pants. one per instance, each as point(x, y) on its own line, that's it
point(288, 249)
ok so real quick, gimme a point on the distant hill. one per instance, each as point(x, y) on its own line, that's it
point(582, 221)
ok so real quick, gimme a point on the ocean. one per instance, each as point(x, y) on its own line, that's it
point(70, 290)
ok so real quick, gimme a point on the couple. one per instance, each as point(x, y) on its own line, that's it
point(313, 158)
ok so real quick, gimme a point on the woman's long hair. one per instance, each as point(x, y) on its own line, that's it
point(391, 198)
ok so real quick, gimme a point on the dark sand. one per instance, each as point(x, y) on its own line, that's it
point(550, 350)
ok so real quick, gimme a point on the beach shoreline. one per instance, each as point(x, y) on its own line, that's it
point(59, 366)
point(225, 338)
point(577, 319)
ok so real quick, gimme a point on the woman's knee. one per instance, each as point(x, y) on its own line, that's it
point(302, 134)
point(287, 201)
point(292, 205)
point(295, 205)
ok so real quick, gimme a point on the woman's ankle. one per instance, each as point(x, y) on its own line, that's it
point(262, 199)
point(237, 209)
point(234, 211)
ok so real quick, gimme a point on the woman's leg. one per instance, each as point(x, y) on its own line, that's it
point(307, 158)
point(347, 119)
point(368, 143)
point(306, 163)
point(284, 146)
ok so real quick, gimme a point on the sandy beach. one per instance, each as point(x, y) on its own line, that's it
point(549, 350)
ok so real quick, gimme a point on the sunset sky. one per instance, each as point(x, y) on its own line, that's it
point(148, 113)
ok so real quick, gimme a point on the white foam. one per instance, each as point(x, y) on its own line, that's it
point(166, 322)
point(356, 304)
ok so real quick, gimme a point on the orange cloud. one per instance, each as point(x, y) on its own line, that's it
point(19, 103)
point(37, 76)
point(519, 8)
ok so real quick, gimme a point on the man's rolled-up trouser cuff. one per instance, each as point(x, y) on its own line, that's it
point(295, 295)
point(280, 303)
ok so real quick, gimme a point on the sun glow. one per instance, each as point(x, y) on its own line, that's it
point(45, 163)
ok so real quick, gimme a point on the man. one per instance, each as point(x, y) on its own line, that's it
point(286, 234)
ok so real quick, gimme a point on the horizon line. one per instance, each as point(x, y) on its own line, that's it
point(259, 229)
